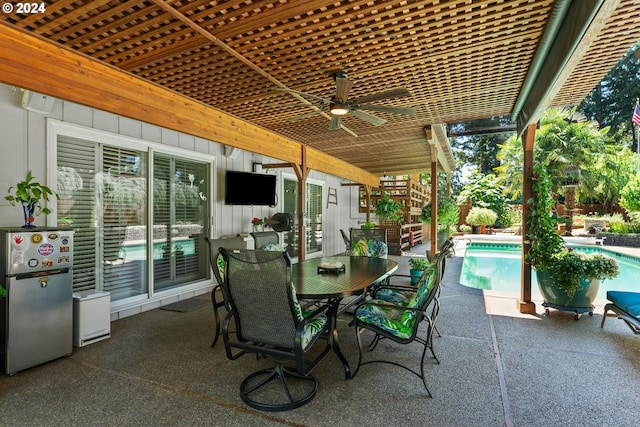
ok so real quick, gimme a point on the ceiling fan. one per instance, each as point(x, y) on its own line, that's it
point(340, 104)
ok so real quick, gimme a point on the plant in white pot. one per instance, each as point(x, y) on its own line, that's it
point(481, 217)
point(30, 194)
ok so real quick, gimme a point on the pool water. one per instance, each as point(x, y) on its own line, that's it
point(495, 266)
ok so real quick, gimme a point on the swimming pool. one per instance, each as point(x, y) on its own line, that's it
point(497, 266)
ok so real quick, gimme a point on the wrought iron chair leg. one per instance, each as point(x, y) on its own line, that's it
point(216, 305)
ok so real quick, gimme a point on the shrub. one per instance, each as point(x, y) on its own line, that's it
point(630, 195)
point(481, 216)
point(448, 213)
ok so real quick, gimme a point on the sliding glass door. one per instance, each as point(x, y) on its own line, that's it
point(180, 212)
point(107, 197)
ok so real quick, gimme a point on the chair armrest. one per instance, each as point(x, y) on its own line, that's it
point(399, 288)
point(389, 305)
point(323, 309)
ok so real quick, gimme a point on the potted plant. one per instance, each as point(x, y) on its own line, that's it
point(368, 225)
point(258, 224)
point(30, 194)
point(481, 217)
point(568, 280)
point(417, 266)
point(388, 209)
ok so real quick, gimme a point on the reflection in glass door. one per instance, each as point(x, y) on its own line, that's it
point(180, 213)
point(313, 216)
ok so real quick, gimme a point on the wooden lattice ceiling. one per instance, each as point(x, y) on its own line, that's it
point(460, 59)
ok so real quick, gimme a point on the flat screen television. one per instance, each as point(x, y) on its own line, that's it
point(246, 188)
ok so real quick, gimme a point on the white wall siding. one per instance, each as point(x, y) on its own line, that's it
point(24, 148)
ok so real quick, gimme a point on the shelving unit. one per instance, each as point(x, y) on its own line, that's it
point(411, 194)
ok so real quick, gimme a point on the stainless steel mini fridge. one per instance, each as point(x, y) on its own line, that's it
point(36, 316)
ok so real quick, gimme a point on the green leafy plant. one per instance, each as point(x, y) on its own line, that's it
point(368, 224)
point(3, 292)
point(30, 194)
point(388, 209)
point(568, 267)
point(481, 216)
point(418, 263)
point(464, 228)
point(448, 213)
point(548, 251)
point(630, 195)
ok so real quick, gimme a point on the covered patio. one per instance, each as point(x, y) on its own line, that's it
point(259, 76)
point(158, 369)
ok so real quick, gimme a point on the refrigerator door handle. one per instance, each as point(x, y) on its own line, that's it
point(44, 273)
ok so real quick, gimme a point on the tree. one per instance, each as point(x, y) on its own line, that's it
point(611, 102)
point(561, 143)
point(478, 142)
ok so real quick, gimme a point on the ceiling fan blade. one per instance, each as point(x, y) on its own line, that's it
point(343, 86)
point(304, 116)
point(369, 118)
point(308, 95)
point(398, 92)
point(335, 122)
point(408, 111)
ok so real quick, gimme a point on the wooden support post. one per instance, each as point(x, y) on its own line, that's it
point(434, 201)
point(525, 304)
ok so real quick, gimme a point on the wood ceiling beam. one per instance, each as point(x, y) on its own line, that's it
point(25, 61)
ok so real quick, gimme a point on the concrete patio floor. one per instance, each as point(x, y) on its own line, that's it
point(498, 367)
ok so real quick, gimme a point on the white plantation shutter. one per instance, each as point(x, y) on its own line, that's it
point(77, 159)
point(110, 200)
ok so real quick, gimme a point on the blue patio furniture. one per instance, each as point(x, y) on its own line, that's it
point(627, 306)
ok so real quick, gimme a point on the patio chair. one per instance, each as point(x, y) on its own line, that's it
point(347, 241)
point(267, 240)
point(356, 234)
point(401, 294)
point(217, 266)
point(627, 306)
point(369, 247)
point(269, 322)
point(400, 323)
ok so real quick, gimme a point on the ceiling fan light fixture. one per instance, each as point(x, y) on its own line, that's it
point(338, 109)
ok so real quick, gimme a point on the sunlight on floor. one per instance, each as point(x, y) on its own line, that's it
point(501, 303)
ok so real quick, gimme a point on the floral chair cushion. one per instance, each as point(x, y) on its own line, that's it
point(369, 248)
point(273, 247)
point(382, 315)
point(311, 329)
point(400, 297)
point(220, 264)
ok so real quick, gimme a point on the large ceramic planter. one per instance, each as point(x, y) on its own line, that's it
point(582, 301)
point(441, 238)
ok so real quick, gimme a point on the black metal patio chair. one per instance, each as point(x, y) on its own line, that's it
point(400, 321)
point(269, 322)
point(217, 266)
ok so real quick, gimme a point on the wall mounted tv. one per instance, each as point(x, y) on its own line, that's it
point(246, 188)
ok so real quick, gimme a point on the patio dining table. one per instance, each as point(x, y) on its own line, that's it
point(323, 279)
